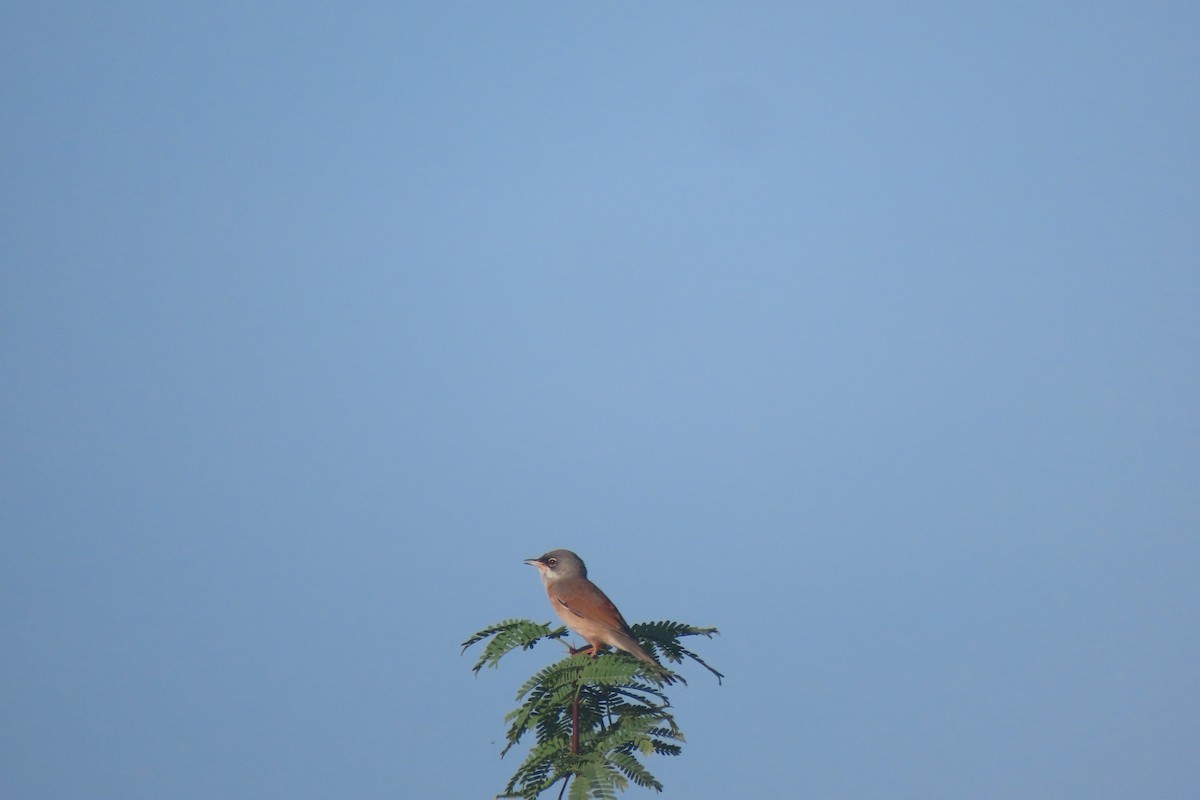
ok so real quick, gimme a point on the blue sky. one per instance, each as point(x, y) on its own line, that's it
point(867, 334)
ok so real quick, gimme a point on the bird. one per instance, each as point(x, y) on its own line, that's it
point(587, 610)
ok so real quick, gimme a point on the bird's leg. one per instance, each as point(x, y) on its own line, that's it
point(587, 648)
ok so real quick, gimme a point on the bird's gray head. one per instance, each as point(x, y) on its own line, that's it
point(559, 564)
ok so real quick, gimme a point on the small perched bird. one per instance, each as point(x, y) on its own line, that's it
point(587, 610)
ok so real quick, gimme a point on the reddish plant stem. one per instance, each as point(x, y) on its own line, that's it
point(575, 725)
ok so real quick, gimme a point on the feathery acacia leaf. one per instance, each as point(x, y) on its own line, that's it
point(508, 636)
point(664, 637)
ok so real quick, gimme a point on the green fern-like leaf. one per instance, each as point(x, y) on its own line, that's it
point(663, 637)
point(609, 669)
point(538, 771)
point(559, 673)
point(634, 770)
point(597, 781)
point(665, 749)
point(666, 630)
point(507, 636)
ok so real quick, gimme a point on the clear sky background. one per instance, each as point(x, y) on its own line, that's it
point(868, 333)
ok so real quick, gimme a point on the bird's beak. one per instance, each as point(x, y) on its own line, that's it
point(533, 562)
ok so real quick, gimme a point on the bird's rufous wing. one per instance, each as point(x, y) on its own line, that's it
point(585, 600)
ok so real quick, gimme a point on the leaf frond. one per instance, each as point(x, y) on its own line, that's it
point(507, 636)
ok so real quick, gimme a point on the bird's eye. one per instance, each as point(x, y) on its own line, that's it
point(552, 562)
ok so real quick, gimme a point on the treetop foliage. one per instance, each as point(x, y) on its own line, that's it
point(592, 717)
